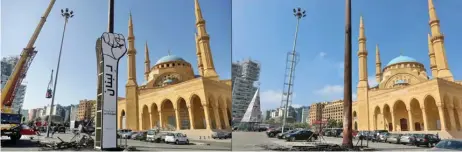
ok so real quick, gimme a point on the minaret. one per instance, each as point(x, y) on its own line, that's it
point(147, 62)
point(131, 88)
point(204, 44)
point(131, 53)
point(200, 66)
point(362, 55)
point(437, 41)
point(431, 54)
point(378, 65)
point(363, 86)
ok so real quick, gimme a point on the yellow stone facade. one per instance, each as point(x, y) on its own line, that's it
point(406, 99)
point(173, 97)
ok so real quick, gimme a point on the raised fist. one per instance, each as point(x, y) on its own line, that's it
point(113, 45)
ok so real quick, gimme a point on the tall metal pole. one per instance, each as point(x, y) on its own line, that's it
point(66, 14)
point(111, 17)
point(298, 13)
point(347, 97)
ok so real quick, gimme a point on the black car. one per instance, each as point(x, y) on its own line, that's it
point(426, 139)
point(283, 135)
point(301, 135)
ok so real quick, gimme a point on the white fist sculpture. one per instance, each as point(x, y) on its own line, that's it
point(113, 45)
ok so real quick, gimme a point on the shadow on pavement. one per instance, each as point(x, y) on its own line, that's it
point(19, 144)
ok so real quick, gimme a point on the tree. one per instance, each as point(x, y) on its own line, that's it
point(331, 123)
point(339, 124)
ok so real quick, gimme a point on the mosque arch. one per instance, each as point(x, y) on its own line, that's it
point(146, 123)
point(416, 115)
point(401, 116)
point(378, 119)
point(198, 112)
point(432, 113)
point(457, 117)
point(154, 116)
point(167, 115)
point(183, 114)
point(387, 116)
point(122, 120)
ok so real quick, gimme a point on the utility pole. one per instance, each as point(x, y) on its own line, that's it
point(66, 14)
point(299, 14)
point(347, 97)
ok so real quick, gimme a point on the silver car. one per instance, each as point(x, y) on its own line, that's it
point(393, 138)
point(407, 139)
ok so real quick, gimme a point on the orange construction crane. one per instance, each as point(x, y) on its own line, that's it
point(9, 119)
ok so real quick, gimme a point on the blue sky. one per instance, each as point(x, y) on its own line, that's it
point(264, 30)
point(163, 24)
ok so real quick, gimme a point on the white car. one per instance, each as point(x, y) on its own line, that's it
point(176, 138)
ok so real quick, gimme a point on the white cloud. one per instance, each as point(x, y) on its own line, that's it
point(330, 89)
point(322, 54)
point(296, 105)
point(354, 96)
point(372, 81)
point(270, 99)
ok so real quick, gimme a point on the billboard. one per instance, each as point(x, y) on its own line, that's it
point(113, 49)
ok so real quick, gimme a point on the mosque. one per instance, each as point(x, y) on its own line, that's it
point(172, 96)
point(406, 98)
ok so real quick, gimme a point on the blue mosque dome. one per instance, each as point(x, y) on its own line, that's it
point(401, 59)
point(169, 58)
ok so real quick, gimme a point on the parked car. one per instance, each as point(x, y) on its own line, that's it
point(219, 135)
point(393, 138)
point(301, 135)
point(407, 139)
point(177, 138)
point(383, 136)
point(141, 135)
point(448, 145)
point(261, 129)
point(273, 132)
point(133, 135)
point(229, 135)
point(125, 133)
point(283, 135)
point(159, 137)
point(426, 139)
point(150, 135)
point(26, 130)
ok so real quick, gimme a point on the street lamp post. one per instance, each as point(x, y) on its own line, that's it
point(66, 14)
point(299, 14)
point(347, 97)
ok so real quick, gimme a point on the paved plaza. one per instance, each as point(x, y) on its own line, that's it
point(25, 144)
point(253, 141)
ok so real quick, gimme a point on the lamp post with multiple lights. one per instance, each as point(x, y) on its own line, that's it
point(299, 14)
point(67, 15)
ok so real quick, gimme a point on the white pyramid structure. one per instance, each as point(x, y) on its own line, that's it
point(253, 113)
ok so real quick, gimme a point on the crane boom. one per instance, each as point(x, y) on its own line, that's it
point(20, 69)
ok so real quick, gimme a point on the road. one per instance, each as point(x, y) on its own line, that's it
point(252, 141)
point(25, 144)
